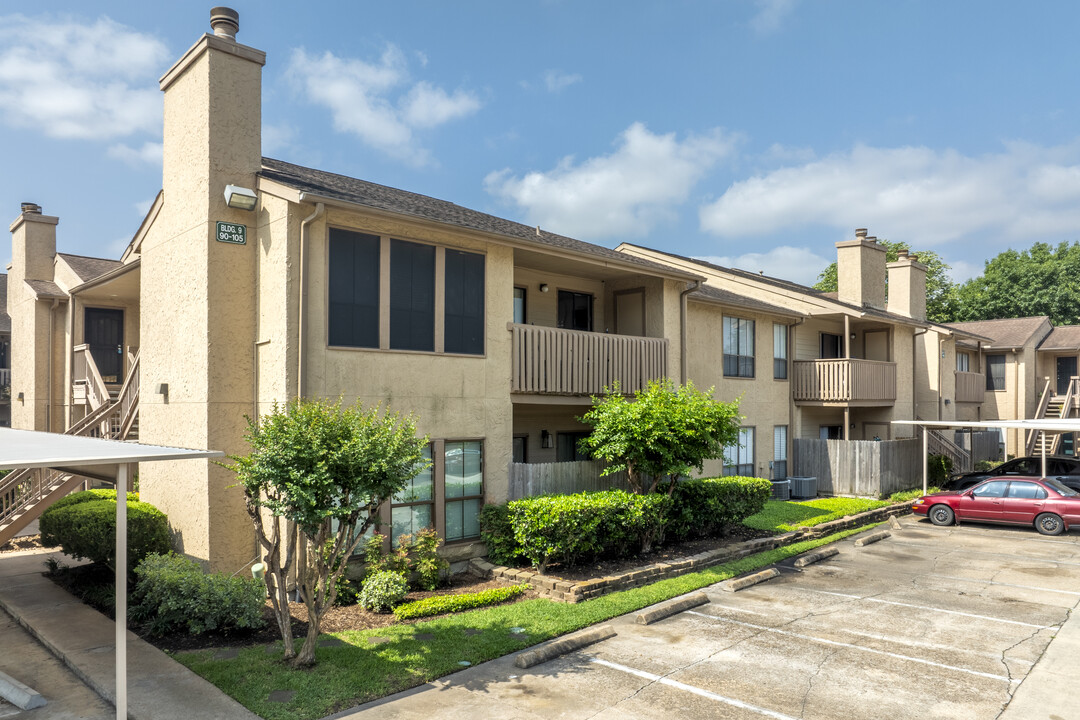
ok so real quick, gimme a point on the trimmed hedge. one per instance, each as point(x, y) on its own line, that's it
point(497, 532)
point(441, 604)
point(173, 594)
point(710, 506)
point(84, 526)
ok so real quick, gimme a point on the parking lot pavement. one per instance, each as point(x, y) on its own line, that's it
point(930, 623)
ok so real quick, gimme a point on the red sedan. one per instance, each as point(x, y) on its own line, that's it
point(1043, 502)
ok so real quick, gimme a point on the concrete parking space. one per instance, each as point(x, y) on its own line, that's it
point(929, 623)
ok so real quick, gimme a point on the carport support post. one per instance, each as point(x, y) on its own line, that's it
point(1042, 438)
point(122, 475)
point(925, 457)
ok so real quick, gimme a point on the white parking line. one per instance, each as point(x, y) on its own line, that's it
point(842, 568)
point(691, 689)
point(837, 643)
point(933, 609)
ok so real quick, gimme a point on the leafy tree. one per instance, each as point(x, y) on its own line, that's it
point(663, 432)
point(325, 471)
point(1039, 281)
point(941, 297)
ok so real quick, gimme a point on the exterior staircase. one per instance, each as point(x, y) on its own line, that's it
point(1052, 406)
point(25, 494)
point(938, 444)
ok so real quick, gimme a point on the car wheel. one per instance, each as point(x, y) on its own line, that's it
point(1049, 524)
point(942, 515)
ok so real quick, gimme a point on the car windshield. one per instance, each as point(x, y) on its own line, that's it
point(1061, 489)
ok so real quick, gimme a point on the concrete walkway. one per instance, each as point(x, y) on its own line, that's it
point(159, 688)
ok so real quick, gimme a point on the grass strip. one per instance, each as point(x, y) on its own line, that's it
point(360, 670)
point(782, 516)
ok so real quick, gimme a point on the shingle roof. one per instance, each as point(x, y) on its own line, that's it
point(1004, 333)
point(88, 268)
point(5, 319)
point(736, 300)
point(46, 289)
point(1066, 337)
point(402, 202)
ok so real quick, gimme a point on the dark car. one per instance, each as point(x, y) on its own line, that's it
point(1052, 508)
point(1063, 468)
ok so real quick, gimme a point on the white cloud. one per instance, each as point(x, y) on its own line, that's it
point(75, 80)
point(149, 154)
point(367, 99)
point(771, 15)
point(625, 193)
point(921, 196)
point(797, 264)
point(961, 270)
point(556, 81)
point(142, 207)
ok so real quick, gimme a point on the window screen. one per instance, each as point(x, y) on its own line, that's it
point(354, 289)
point(995, 372)
point(779, 452)
point(412, 296)
point(738, 347)
point(780, 356)
point(464, 313)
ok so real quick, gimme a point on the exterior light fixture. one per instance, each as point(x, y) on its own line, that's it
point(543, 287)
point(240, 197)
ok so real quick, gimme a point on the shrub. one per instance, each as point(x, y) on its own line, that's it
point(416, 557)
point(708, 507)
point(986, 465)
point(908, 495)
point(939, 468)
point(84, 525)
point(383, 590)
point(173, 594)
point(571, 528)
point(497, 532)
point(441, 604)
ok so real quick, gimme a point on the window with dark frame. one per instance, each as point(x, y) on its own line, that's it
point(738, 347)
point(463, 314)
point(739, 458)
point(463, 475)
point(520, 450)
point(519, 306)
point(412, 509)
point(412, 296)
point(995, 372)
point(779, 468)
point(780, 353)
point(353, 319)
point(575, 311)
point(567, 447)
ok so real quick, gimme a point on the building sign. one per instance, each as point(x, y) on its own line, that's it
point(231, 233)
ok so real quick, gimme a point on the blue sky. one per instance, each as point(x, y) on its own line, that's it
point(756, 133)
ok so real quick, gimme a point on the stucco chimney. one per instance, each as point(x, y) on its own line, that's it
point(33, 244)
point(907, 286)
point(860, 270)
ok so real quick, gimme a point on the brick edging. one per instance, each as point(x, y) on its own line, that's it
point(555, 588)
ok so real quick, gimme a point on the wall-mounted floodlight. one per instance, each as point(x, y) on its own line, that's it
point(240, 197)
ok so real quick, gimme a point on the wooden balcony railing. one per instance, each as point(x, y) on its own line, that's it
point(845, 381)
point(571, 362)
point(970, 387)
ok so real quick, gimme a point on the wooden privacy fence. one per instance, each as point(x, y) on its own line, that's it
point(531, 479)
point(859, 467)
point(983, 445)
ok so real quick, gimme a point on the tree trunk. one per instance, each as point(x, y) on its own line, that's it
point(306, 658)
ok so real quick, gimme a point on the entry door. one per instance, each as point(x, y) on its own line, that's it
point(104, 335)
point(1066, 368)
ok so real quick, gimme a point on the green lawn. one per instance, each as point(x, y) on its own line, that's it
point(360, 671)
point(780, 516)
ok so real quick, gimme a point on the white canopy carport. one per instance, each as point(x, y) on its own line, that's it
point(88, 457)
point(1043, 425)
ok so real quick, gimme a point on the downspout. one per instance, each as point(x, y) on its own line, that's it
point(938, 359)
point(320, 208)
point(1016, 399)
point(49, 384)
point(71, 362)
point(791, 397)
point(682, 330)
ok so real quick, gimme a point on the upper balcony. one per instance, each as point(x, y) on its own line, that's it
point(850, 382)
point(970, 387)
point(553, 361)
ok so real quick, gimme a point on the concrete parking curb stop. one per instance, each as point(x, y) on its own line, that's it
point(563, 645)
point(816, 556)
point(22, 696)
point(669, 608)
point(872, 538)
point(748, 580)
point(894, 523)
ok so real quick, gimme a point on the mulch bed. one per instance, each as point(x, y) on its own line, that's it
point(25, 542)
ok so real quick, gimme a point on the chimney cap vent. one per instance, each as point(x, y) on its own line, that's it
point(860, 232)
point(29, 207)
point(225, 22)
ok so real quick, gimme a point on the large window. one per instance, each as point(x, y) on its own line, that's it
point(739, 459)
point(738, 347)
point(463, 465)
point(354, 289)
point(411, 509)
point(575, 310)
point(779, 351)
point(464, 313)
point(779, 466)
point(412, 296)
point(995, 372)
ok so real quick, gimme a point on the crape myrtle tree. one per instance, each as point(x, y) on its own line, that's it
point(323, 470)
point(663, 432)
